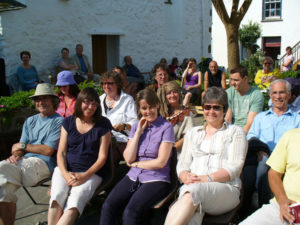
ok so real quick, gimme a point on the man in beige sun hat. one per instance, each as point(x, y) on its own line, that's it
point(33, 158)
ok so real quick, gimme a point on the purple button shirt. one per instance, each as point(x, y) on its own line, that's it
point(157, 132)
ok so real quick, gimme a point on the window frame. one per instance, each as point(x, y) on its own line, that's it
point(277, 17)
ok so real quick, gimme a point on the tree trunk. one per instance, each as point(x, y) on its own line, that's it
point(233, 54)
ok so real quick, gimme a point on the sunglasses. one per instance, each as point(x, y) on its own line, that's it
point(267, 63)
point(214, 107)
point(107, 83)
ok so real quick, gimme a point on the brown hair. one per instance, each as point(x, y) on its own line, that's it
point(116, 77)
point(25, 53)
point(241, 70)
point(89, 94)
point(73, 90)
point(149, 96)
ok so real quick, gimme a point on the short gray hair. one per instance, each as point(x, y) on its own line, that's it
point(216, 94)
point(269, 59)
point(288, 86)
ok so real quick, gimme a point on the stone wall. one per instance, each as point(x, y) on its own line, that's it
point(148, 30)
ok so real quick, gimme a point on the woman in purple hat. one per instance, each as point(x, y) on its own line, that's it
point(68, 91)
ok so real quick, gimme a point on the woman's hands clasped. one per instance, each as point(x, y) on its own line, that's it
point(190, 178)
point(75, 179)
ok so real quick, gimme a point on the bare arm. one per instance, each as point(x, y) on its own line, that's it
point(38, 149)
point(130, 152)
point(228, 117)
point(178, 144)
point(62, 152)
point(63, 65)
point(223, 81)
point(276, 185)
point(164, 152)
point(206, 83)
point(250, 119)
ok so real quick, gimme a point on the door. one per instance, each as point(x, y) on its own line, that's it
point(99, 53)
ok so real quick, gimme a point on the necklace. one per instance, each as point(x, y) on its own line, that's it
point(111, 102)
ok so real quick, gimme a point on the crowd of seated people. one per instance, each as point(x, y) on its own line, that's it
point(211, 158)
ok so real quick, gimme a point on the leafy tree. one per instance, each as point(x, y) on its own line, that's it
point(248, 36)
point(232, 25)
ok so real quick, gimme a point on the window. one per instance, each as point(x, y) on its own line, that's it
point(271, 9)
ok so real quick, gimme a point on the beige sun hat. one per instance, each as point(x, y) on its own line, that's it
point(44, 89)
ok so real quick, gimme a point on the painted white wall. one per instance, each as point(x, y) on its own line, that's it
point(288, 28)
point(149, 30)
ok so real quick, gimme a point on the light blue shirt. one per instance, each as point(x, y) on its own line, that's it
point(268, 127)
point(39, 130)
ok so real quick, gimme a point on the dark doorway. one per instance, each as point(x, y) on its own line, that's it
point(271, 46)
point(99, 53)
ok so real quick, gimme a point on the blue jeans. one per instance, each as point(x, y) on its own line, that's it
point(136, 197)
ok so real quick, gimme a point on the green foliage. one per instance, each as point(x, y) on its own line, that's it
point(253, 64)
point(17, 101)
point(248, 35)
point(11, 104)
point(91, 84)
point(203, 65)
point(291, 73)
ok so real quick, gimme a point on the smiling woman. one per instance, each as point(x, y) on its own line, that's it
point(210, 164)
point(82, 153)
point(147, 154)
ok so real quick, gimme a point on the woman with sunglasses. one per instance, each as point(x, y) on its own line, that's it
point(68, 91)
point(191, 81)
point(264, 77)
point(82, 153)
point(210, 164)
point(172, 110)
point(147, 154)
point(119, 108)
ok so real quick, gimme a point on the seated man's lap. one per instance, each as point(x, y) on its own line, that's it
point(28, 172)
point(269, 214)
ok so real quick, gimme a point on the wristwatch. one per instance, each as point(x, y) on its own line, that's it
point(23, 146)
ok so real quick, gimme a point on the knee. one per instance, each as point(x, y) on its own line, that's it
point(187, 199)
point(107, 208)
point(131, 213)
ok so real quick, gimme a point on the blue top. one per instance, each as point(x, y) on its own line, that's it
point(157, 132)
point(39, 130)
point(268, 127)
point(82, 64)
point(83, 149)
point(27, 77)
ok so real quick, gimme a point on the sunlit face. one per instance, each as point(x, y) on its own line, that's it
point(79, 50)
point(280, 96)
point(192, 65)
point(237, 81)
point(64, 89)
point(213, 113)
point(161, 76)
point(25, 58)
point(44, 105)
point(88, 108)
point(173, 98)
point(65, 54)
point(150, 113)
point(213, 67)
point(267, 64)
point(110, 87)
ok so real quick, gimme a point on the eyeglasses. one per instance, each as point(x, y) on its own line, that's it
point(92, 103)
point(107, 83)
point(214, 107)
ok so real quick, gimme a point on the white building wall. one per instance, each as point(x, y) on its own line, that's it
point(288, 28)
point(149, 30)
